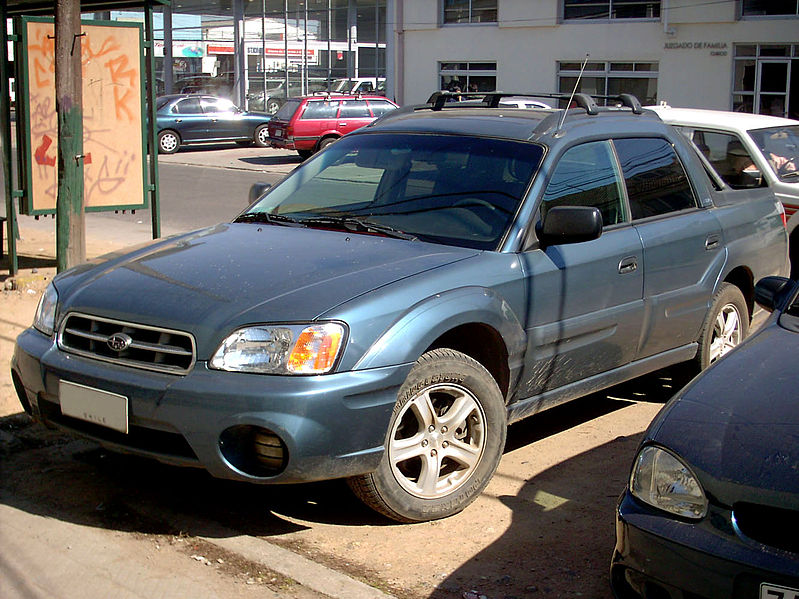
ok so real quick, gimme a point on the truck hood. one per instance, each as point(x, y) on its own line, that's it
point(738, 424)
point(214, 280)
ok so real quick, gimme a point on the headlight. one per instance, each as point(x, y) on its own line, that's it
point(660, 479)
point(44, 320)
point(281, 349)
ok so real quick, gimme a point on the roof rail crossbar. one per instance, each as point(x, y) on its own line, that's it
point(628, 100)
point(587, 103)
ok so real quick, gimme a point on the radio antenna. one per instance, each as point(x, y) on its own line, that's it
point(574, 91)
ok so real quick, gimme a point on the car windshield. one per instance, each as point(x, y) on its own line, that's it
point(780, 146)
point(447, 189)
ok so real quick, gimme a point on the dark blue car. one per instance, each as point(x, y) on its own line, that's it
point(188, 119)
point(712, 507)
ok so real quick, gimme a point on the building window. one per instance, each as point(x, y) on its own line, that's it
point(611, 9)
point(766, 79)
point(768, 8)
point(468, 76)
point(470, 11)
point(611, 78)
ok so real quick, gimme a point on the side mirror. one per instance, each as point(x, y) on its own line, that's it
point(771, 292)
point(257, 190)
point(570, 224)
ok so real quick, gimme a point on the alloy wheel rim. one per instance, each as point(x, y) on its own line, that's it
point(437, 441)
point(263, 135)
point(726, 332)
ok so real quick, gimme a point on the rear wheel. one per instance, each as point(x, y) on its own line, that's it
point(168, 142)
point(725, 327)
point(261, 136)
point(272, 106)
point(325, 142)
point(444, 441)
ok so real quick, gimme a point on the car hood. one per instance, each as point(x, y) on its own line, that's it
point(211, 281)
point(737, 425)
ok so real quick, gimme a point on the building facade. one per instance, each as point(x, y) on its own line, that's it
point(724, 54)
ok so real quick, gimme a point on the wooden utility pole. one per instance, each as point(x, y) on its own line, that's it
point(70, 219)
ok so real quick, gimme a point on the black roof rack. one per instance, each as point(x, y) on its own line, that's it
point(492, 99)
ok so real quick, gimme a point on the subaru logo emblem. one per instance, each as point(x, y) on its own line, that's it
point(119, 342)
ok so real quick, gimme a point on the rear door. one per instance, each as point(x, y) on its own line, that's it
point(352, 115)
point(585, 299)
point(683, 246)
point(316, 119)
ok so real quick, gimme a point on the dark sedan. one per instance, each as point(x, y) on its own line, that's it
point(712, 506)
point(188, 119)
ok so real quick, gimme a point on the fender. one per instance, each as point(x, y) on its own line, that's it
point(418, 328)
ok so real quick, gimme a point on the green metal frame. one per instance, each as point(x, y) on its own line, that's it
point(9, 8)
point(25, 150)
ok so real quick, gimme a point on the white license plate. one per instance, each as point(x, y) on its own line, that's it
point(769, 591)
point(94, 405)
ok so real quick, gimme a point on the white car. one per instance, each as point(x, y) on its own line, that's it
point(766, 146)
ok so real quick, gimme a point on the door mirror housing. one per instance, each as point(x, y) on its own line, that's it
point(257, 190)
point(570, 224)
point(772, 292)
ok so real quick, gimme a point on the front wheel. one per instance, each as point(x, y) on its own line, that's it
point(444, 441)
point(725, 327)
point(168, 142)
point(261, 136)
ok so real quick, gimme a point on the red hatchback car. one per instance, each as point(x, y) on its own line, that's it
point(309, 123)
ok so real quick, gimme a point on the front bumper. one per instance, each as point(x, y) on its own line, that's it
point(331, 426)
point(660, 556)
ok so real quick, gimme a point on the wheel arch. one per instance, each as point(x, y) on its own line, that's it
point(325, 136)
point(743, 279)
point(475, 321)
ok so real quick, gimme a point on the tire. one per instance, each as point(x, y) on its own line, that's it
point(272, 106)
point(168, 142)
point(261, 136)
point(325, 142)
point(444, 441)
point(725, 327)
point(305, 154)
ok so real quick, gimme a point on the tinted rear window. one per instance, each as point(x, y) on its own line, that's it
point(287, 110)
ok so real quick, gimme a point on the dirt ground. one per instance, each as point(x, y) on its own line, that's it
point(543, 527)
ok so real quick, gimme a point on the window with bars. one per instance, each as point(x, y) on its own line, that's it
point(610, 9)
point(768, 8)
point(470, 11)
point(611, 78)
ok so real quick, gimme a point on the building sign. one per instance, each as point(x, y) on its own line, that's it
point(114, 168)
point(715, 48)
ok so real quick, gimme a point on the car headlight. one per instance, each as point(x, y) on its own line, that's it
point(660, 479)
point(44, 320)
point(281, 349)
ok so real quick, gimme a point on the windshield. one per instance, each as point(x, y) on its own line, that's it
point(447, 189)
point(780, 146)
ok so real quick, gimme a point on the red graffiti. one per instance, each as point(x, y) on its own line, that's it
point(41, 152)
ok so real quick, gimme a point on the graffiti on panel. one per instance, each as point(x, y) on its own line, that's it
point(112, 116)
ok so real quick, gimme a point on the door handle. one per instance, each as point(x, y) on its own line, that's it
point(628, 265)
point(712, 241)
point(342, 124)
point(178, 120)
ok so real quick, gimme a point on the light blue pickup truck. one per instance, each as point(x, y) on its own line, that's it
point(384, 312)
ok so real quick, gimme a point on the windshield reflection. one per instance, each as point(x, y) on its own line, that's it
point(779, 145)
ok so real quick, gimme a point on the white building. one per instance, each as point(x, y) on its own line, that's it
point(723, 54)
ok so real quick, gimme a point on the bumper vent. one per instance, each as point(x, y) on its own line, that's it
point(127, 344)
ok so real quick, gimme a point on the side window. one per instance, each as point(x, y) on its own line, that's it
point(188, 106)
point(354, 109)
point(381, 107)
point(217, 105)
point(656, 181)
point(586, 176)
point(727, 154)
point(322, 109)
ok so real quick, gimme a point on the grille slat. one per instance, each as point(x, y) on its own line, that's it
point(149, 348)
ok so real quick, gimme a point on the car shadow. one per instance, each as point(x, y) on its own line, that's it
point(103, 489)
point(272, 160)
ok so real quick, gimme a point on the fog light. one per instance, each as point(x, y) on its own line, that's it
point(253, 450)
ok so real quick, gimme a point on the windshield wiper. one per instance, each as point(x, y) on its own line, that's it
point(357, 225)
point(271, 219)
point(792, 175)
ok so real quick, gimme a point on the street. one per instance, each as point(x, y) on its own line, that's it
point(544, 527)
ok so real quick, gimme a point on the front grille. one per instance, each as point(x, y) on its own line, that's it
point(771, 526)
point(142, 346)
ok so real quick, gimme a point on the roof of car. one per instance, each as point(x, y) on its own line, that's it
point(736, 121)
point(527, 124)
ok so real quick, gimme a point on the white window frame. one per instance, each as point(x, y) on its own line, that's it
point(608, 73)
point(443, 16)
point(610, 18)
